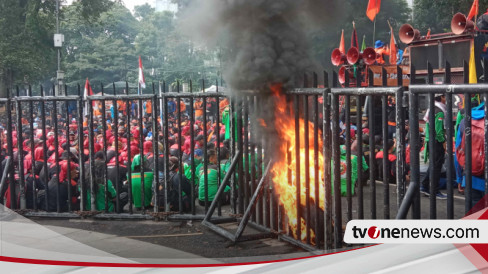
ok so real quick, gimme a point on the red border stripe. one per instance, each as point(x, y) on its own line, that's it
point(95, 264)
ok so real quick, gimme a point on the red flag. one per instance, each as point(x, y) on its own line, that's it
point(428, 35)
point(342, 46)
point(474, 10)
point(87, 92)
point(373, 9)
point(354, 37)
point(88, 89)
point(393, 49)
point(142, 81)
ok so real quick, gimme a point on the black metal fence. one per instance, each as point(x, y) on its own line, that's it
point(175, 161)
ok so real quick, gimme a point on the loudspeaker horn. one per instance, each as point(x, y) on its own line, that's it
point(460, 24)
point(369, 56)
point(337, 58)
point(353, 56)
point(408, 34)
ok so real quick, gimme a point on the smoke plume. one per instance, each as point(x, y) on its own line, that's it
point(265, 41)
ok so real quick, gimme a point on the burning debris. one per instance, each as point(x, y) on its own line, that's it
point(266, 51)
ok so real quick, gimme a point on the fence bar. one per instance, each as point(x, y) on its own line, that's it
point(400, 135)
point(129, 156)
point(10, 147)
point(192, 150)
point(468, 142)
point(432, 152)
point(337, 171)
point(166, 149)
point(240, 147)
point(205, 148)
point(20, 153)
point(216, 132)
point(307, 166)
point(155, 149)
point(44, 148)
point(115, 131)
point(449, 138)
point(246, 176)
point(359, 140)
point(252, 203)
point(56, 155)
point(371, 126)
point(91, 150)
point(259, 169)
point(68, 149)
point(432, 149)
point(414, 155)
point(141, 155)
point(328, 232)
point(104, 134)
point(485, 99)
point(32, 148)
point(221, 189)
point(296, 106)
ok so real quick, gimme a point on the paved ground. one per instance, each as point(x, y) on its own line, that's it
point(189, 239)
point(184, 240)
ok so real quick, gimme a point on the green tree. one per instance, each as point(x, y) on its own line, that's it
point(437, 15)
point(26, 48)
point(170, 56)
point(102, 51)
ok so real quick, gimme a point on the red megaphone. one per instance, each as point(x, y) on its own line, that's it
point(460, 24)
point(353, 56)
point(337, 57)
point(369, 56)
point(408, 34)
point(342, 74)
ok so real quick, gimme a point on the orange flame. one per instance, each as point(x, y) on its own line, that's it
point(285, 126)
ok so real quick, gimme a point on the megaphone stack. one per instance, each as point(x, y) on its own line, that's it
point(408, 34)
point(460, 24)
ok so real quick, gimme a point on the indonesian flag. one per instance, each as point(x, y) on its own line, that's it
point(474, 10)
point(87, 92)
point(142, 82)
point(374, 8)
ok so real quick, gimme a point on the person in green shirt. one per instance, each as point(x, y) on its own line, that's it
point(99, 186)
point(136, 182)
point(198, 164)
point(212, 184)
point(439, 147)
point(354, 171)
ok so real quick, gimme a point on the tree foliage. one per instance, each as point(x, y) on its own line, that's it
point(26, 47)
point(103, 41)
point(437, 15)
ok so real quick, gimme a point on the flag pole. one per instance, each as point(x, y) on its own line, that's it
point(161, 104)
point(374, 29)
point(374, 22)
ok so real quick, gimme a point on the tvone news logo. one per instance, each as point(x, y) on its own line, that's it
point(373, 232)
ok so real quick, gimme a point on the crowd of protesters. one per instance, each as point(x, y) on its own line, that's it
point(51, 170)
point(123, 155)
point(438, 163)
